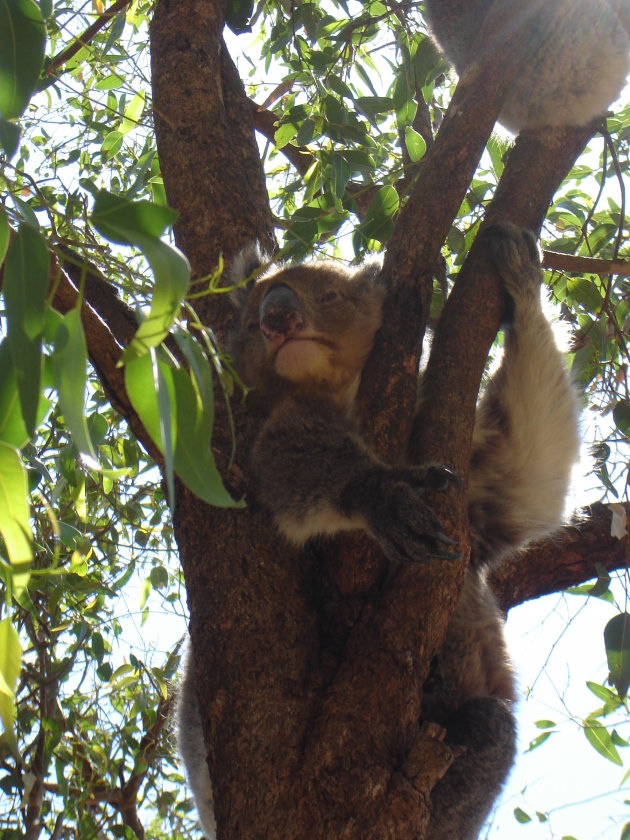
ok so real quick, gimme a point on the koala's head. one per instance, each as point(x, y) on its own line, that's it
point(308, 326)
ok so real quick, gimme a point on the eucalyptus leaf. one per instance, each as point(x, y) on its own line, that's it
point(621, 416)
point(22, 42)
point(14, 512)
point(617, 642)
point(70, 366)
point(12, 427)
point(141, 223)
point(599, 738)
point(173, 402)
point(25, 289)
point(10, 664)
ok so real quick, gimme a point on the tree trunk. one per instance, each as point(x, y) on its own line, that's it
point(310, 664)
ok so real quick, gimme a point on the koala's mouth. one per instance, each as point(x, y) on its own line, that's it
point(294, 340)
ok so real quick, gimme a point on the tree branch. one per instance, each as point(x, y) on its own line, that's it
point(83, 40)
point(265, 123)
point(584, 265)
point(566, 559)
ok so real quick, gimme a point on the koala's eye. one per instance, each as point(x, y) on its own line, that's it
point(253, 326)
point(329, 297)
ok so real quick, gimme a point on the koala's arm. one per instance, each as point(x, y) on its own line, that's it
point(525, 440)
point(317, 477)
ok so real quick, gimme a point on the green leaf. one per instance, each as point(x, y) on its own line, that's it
point(70, 367)
point(133, 112)
point(110, 82)
point(14, 514)
point(625, 832)
point(10, 663)
point(12, 428)
point(341, 175)
point(285, 133)
point(378, 223)
point(25, 288)
point(141, 223)
point(194, 462)
point(374, 106)
point(617, 740)
point(599, 738)
point(602, 693)
point(617, 642)
point(305, 133)
point(186, 417)
point(621, 416)
point(9, 137)
point(521, 816)
point(152, 394)
point(120, 220)
point(158, 577)
point(538, 740)
point(4, 235)
point(201, 370)
point(586, 293)
point(415, 144)
point(238, 14)
point(22, 42)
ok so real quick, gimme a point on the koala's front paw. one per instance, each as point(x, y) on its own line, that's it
point(392, 502)
point(514, 253)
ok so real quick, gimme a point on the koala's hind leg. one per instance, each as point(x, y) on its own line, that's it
point(461, 801)
point(525, 439)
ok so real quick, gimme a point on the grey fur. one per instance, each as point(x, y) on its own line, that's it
point(578, 60)
point(316, 476)
point(190, 744)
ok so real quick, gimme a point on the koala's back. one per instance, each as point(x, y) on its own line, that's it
point(578, 62)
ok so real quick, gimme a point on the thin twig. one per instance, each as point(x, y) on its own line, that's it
point(83, 40)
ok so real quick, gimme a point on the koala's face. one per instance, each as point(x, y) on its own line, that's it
point(311, 326)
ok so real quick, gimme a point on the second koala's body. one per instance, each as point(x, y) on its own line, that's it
point(303, 338)
point(579, 57)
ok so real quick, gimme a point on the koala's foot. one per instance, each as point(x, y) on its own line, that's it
point(514, 254)
point(461, 801)
point(397, 515)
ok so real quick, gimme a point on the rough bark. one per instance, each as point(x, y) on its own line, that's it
point(576, 553)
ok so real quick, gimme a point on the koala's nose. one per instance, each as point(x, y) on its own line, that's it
point(280, 313)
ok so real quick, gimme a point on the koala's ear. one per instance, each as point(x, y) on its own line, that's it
point(370, 272)
point(245, 268)
point(371, 268)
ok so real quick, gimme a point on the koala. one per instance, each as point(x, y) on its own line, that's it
point(579, 55)
point(302, 339)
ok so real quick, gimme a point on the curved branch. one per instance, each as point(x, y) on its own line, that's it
point(567, 559)
point(265, 123)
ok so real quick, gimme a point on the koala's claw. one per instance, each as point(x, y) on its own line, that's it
point(438, 478)
point(447, 555)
